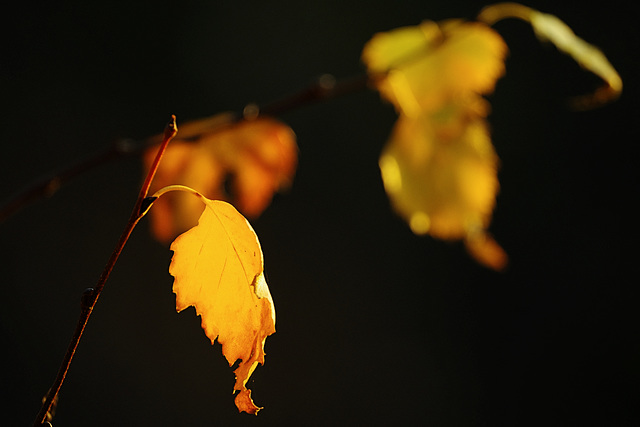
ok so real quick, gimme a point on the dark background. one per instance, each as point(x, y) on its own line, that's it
point(375, 325)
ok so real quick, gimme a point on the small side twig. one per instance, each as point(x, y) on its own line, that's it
point(325, 88)
point(90, 296)
point(48, 186)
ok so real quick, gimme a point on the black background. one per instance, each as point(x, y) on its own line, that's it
point(375, 325)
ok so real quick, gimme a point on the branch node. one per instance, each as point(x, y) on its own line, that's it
point(327, 82)
point(52, 187)
point(251, 111)
point(125, 146)
point(171, 129)
point(87, 298)
point(145, 205)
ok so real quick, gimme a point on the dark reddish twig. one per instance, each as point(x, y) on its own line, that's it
point(325, 88)
point(90, 296)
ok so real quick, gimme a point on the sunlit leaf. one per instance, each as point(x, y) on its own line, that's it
point(218, 269)
point(243, 162)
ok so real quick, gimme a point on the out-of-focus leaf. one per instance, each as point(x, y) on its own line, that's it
point(442, 179)
point(550, 28)
point(241, 162)
point(426, 66)
point(218, 269)
point(439, 167)
point(441, 184)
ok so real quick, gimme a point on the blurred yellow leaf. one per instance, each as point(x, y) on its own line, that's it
point(550, 28)
point(218, 269)
point(254, 157)
point(441, 178)
point(439, 167)
point(440, 184)
point(420, 68)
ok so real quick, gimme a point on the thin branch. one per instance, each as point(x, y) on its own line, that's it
point(90, 296)
point(325, 88)
point(47, 187)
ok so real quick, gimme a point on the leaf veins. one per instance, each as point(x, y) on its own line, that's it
point(218, 269)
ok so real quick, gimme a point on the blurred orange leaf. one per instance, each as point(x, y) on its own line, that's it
point(243, 162)
point(218, 269)
point(439, 167)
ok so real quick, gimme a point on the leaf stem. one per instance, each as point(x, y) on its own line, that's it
point(148, 201)
point(90, 296)
point(176, 187)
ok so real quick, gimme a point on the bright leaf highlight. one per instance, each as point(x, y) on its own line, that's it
point(218, 269)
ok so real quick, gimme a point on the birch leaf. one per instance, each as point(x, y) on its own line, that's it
point(243, 163)
point(439, 167)
point(426, 65)
point(218, 269)
point(443, 182)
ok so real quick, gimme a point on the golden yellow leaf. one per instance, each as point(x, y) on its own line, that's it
point(440, 185)
point(439, 167)
point(550, 28)
point(441, 177)
point(218, 269)
point(419, 68)
point(255, 157)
